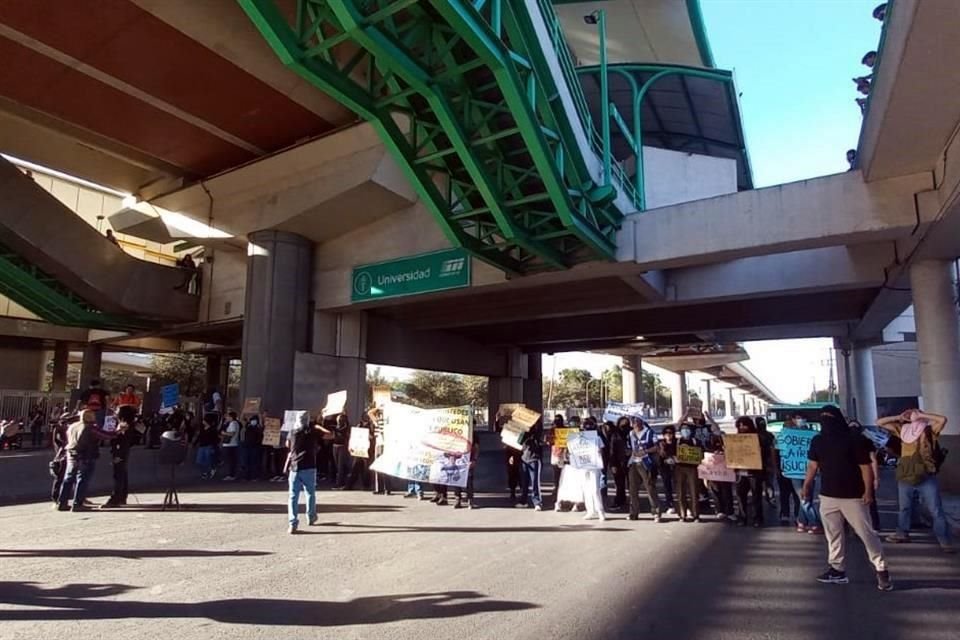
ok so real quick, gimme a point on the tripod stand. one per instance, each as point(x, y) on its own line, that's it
point(171, 499)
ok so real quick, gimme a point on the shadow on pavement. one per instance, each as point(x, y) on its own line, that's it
point(129, 554)
point(83, 602)
point(267, 507)
point(358, 529)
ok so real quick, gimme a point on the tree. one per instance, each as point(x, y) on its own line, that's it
point(613, 380)
point(185, 369)
point(570, 387)
point(435, 389)
point(475, 389)
point(654, 390)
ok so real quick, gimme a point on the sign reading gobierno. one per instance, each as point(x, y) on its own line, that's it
point(436, 271)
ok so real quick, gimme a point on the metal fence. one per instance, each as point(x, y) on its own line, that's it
point(17, 404)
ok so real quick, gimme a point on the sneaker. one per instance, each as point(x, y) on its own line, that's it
point(538, 508)
point(442, 502)
point(57, 507)
point(204, 476)
point(814, 530)
point(313, 521)
point(671, 511)
point(590, 516)
point(458, 505)
point(421, 497)
point(883, 581)
point(292, 529)
point(947, 548)
point(602, 517)
point(832, 576)
point(520, 505)
point(471, 505)
point(801, 528)
point(656, 518)
point(109, 504)
point(213, 474)
point(897, 538)
point(229, 479)
point(409, 495)
point(435, 499)
point(77, 508)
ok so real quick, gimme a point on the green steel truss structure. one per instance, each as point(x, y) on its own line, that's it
point(44, 296)
point(461, 94)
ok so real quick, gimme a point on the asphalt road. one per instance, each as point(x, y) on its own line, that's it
point(385, 567)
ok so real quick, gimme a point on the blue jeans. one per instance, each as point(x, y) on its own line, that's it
point(929, 491)
point(809, 515)
point(302, 480)
point(205, 459)
point(75, 480)
point(414, 489)
point(530, 483)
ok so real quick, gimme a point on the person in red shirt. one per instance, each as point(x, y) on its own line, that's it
point(95, 399)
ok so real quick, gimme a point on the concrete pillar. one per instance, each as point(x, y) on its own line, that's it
point(864, 388)
point(708, 401)
point(61, 362)
point(938, 346)
point(938, 341)
point(90, 367)
point(533, 383)
point(845, 377)
point(502, 390)
point(731, 407)
point(276, 317)
point(632, 379)
point(214, 368)
point(678, 395)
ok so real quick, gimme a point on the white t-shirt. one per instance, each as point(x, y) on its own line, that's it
point(233, 430)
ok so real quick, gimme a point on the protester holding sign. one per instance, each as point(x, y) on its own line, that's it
point(341, 452)
point(531, 460)
point(743, 453)
point(618, 456)
point(689, 456)
point(474, 455)
point(301, 467)
point(720, 485)
point(558, 452)
point(642, 468)
point(668, 460)
point(511, 459)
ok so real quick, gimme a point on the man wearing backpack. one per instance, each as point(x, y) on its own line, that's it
point(920, 460)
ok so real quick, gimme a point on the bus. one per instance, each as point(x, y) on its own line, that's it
point(778, 413)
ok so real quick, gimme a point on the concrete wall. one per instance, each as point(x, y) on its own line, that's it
point(224, 285)
point(672, 177)
point(896, 370)
point(22, 368)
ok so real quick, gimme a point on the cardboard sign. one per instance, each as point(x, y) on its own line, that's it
point(689, 454)
point(506, 410)
point(272, 428)
point(359, 444)
point(742, 451)
point(382, 396)
point(512, 437)
point(616, 410)
point(584, 448)
point(714, 469)
point(794, 444)
point(251, 407)
point(336, 402)
point(523, 419)
point(561, 435)
point(110, 423)
point(293, 420)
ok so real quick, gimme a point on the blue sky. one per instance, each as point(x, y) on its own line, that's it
point(794, 61)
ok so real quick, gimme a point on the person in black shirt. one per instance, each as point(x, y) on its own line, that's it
point(750, 482)
point(341, 452)
point(301, 467)
point(531, 457)
point(120, 454)
point(841, 457)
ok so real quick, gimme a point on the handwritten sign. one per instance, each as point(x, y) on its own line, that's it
point(426, 445)
point(793, 445)
point(506, 410)
point(560, 436)
point(742, 451)
point(714, 469)
point(272, 428)
point(251, 407)
point(584, 448)
point(359, 442)
point(512, 437)
point(616, 410)
point(382, 396)
point(295, 420)
point(336, 403)
point(523, 419)
point(689, 454)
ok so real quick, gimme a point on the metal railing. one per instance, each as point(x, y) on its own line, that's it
point(569, 70)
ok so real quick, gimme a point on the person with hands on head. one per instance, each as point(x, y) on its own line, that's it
point(839, 455)
point(917, 468)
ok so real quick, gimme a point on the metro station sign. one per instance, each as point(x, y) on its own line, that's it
point(425, 273)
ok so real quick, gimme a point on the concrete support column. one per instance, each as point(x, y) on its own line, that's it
point(864, 389)
point(218, 373)
point(61, 362)
point(731, 406)
point(90, 367)
point(938, 340)
point(708, 401)
point(533, 383)
point(276, 314)
point(844, 376)
point(678, 395)
point(632, 379)
point(502, 390)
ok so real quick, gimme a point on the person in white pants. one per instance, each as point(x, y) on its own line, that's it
point(842, 458)
point(591, 495)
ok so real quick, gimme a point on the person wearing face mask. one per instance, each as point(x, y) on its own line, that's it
point(721, 492)
point(749, 483)
point(668, 462)
point(618, 456)
point(685, 476)
point(642, 468)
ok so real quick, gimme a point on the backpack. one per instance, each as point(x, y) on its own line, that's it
point(939, 454)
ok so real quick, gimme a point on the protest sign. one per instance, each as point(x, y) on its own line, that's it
point(584, 448)
point(359, 442)
point(876, 435)
point(110, 424)
point(251, 407)
point(293, 420)
point(336, 403)
point(506, 410)
point(793, 445)
point(512, 437)
point(382, 396)
point(271, 432)
point(616, 410)
point(169, 397)
point(714, 469)
point(561, 434)
point(742, 451)
point(523, 419)
point(426, 445)
point(689, 454)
